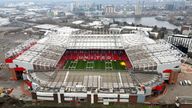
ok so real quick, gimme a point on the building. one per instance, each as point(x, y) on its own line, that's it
point(45, 27)
point(109, 10)
point(183, 42)
point(186, 30)
point(72, 65)
point(188, 3)
point(99, 7)
point(138, 9)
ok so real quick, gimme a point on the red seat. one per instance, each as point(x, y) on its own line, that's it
point(94, 55)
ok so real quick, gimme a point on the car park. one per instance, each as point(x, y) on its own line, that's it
point(185, 83)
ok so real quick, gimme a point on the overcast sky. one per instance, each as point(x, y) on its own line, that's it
point(65, 0)
point(96, 1)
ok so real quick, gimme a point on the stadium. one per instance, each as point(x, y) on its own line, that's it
point(73, 65)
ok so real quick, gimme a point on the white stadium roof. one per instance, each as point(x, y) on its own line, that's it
point(142, 51)
point(66, 37)
point(145, 55)
point(151, 55)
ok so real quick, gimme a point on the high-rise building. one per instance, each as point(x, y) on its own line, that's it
point(188, 3)
point(109, 10)
point(138, 9)
point(71, 7)
point(99, 7)
point(127, 7)
point(76, 4)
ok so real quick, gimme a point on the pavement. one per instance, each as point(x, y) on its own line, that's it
point(20, 90)
point(21, 93)
point(186, 68)
point(7, 42)
point(172, 91)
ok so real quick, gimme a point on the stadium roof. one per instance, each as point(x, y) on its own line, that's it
point(103, 81)
point(79, 39)
point(41, 56)
point(143, 51)
point(151, 55)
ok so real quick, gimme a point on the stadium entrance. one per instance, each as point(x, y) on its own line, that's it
point(19, 73)
point(95, 60)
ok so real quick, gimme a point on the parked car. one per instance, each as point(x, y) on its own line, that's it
point(181, 83)
point(186, 82)
point(189, 82)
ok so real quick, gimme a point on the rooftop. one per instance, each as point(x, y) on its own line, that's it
point(151, 55)
point(46, 26)
point(41, 56)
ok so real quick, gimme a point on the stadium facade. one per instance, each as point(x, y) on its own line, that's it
point(72, 65)
point(183, 42)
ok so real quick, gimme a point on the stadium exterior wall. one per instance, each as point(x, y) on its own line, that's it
point(88, 97)
point(23, 64)
point(162, 67)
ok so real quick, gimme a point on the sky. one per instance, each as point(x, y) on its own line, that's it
point(49, 1)
point(95, 1)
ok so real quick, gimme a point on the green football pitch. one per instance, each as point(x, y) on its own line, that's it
point(94, 65)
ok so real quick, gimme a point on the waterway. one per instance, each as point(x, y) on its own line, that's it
point(148, 21)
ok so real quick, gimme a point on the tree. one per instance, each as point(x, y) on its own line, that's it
point(164, 29)
point(117, 22)
point(132, 24)
point(155, 29)
point(190, 34)
point(125, 23)
point(162, 32)
point(176, 31)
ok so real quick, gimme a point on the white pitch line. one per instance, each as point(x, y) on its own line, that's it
point(66, 76)
point(99, 82)
point(120, 79)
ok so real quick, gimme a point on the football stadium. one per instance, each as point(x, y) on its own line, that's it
point(73, 65)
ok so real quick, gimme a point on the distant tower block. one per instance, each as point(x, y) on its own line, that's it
point(127, 4)
point(138, 9)
point(109, 10)
point(127, 7)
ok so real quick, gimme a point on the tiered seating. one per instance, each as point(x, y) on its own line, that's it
point(91, 55)
point(94, 55)
point(74, 81)
point(61, 62)
point(43, 78)
point(21, 48)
